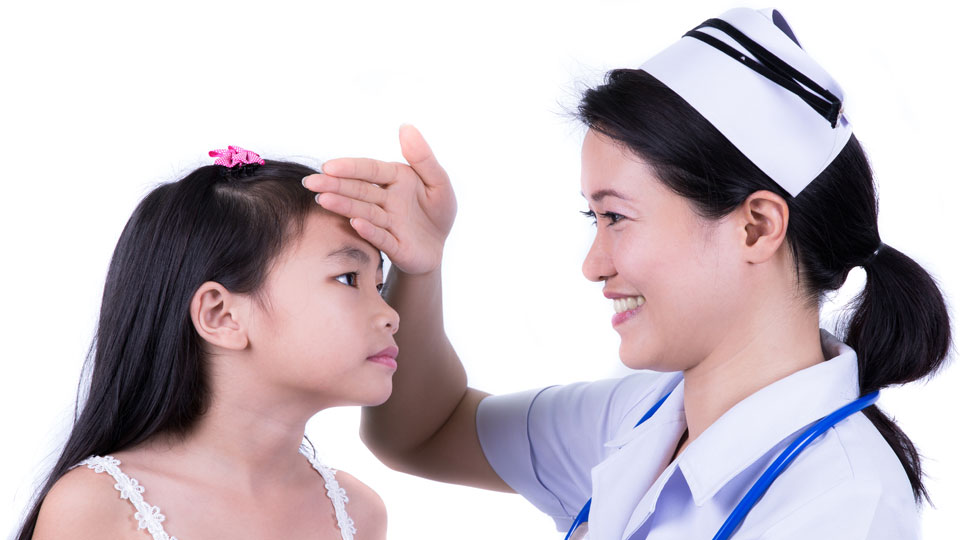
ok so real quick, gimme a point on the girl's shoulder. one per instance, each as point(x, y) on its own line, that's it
point(365, 507)
point(83, 504)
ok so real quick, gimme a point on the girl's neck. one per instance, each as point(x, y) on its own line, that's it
point(772, 346)
point(246, 438)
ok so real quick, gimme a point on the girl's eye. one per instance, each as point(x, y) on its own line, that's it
point(349, 279)
point(380, 287)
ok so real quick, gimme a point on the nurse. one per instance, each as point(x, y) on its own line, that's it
point(729, 196)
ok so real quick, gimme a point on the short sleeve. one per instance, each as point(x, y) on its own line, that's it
point(543, 443)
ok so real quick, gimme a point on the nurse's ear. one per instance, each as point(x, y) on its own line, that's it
point(763, 219)
point(220, 316)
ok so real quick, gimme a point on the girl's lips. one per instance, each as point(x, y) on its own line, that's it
point(384, 360)
point(391, 351)
point(386, 357)
point(620, 318)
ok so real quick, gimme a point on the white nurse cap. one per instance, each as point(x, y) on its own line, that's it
point(746, 73)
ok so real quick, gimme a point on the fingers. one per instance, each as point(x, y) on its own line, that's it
point(415, 150)
point(351, 208)
point(419, 155)
point(380, 238)
point(348, 187)
point(371, 170)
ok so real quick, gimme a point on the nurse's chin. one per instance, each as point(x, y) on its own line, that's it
point(635, 357)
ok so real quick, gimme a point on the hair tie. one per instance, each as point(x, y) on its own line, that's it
point(234, 155)
point(873, 256)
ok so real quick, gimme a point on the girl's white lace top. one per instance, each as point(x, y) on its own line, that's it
point(149, 517)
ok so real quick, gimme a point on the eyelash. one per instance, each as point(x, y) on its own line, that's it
point(352, 282)
point(612, 216)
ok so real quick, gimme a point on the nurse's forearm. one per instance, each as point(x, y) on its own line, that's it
point(430, 381)
point(428, 426)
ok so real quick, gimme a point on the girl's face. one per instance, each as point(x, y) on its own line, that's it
point(665, 269)
point(322, 328)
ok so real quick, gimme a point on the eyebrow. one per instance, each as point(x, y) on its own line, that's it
point(599, 195)
point(353, 253)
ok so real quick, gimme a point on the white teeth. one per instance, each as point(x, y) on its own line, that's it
point(626, 304)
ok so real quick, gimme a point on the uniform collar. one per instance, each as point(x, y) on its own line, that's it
point(773, 413)
point(739, 438)
point(630, 473)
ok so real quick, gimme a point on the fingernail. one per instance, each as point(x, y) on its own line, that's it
point(303, 181)
point(317, 198)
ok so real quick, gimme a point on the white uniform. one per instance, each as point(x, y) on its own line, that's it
point(561, 445)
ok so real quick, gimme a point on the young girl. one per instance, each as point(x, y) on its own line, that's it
point(729, 197)
point(234, 310)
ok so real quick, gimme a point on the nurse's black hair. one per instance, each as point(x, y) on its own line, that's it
point(147, 363)
point(899, 325)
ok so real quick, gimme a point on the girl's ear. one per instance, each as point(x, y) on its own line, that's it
point(763, 216)
point(219, 316)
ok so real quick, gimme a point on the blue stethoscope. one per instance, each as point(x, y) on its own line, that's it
point(770, 474)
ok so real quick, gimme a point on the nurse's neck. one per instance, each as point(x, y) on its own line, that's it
point(776, 340)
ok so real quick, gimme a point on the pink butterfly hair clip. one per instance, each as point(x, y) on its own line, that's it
point(234, 155)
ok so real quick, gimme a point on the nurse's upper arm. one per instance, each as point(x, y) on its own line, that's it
point(543, 443)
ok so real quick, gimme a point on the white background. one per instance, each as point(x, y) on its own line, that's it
point(101, 101)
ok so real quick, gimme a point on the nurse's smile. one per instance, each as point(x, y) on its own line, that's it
point(625, 306)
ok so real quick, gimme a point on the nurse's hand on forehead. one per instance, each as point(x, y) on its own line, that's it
point(405, 210)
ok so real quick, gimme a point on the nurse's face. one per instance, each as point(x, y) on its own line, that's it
point(662, 265)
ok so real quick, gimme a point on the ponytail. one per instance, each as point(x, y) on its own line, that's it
point(901, 333)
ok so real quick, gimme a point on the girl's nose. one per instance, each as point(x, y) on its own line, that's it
point(388, 318)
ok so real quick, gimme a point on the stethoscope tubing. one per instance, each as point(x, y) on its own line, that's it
point(786, 457)
point(776, 468)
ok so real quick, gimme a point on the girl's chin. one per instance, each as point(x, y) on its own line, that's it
point(370, 395)
point(379, 396)
point(377, 402)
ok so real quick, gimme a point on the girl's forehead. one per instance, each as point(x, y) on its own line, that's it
point(330, 237)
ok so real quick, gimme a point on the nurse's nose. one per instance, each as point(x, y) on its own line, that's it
point(597, 266)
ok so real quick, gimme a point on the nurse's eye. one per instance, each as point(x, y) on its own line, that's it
point(380, 288)
point(349, 279)
point(589, 214)
point(612, 216)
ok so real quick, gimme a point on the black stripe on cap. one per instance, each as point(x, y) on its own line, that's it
point(772, 67)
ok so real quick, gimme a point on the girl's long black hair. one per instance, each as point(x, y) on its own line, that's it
point(148, 369)
point(899, 325)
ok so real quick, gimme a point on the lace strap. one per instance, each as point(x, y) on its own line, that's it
point(336, 493)
point(148, 517)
